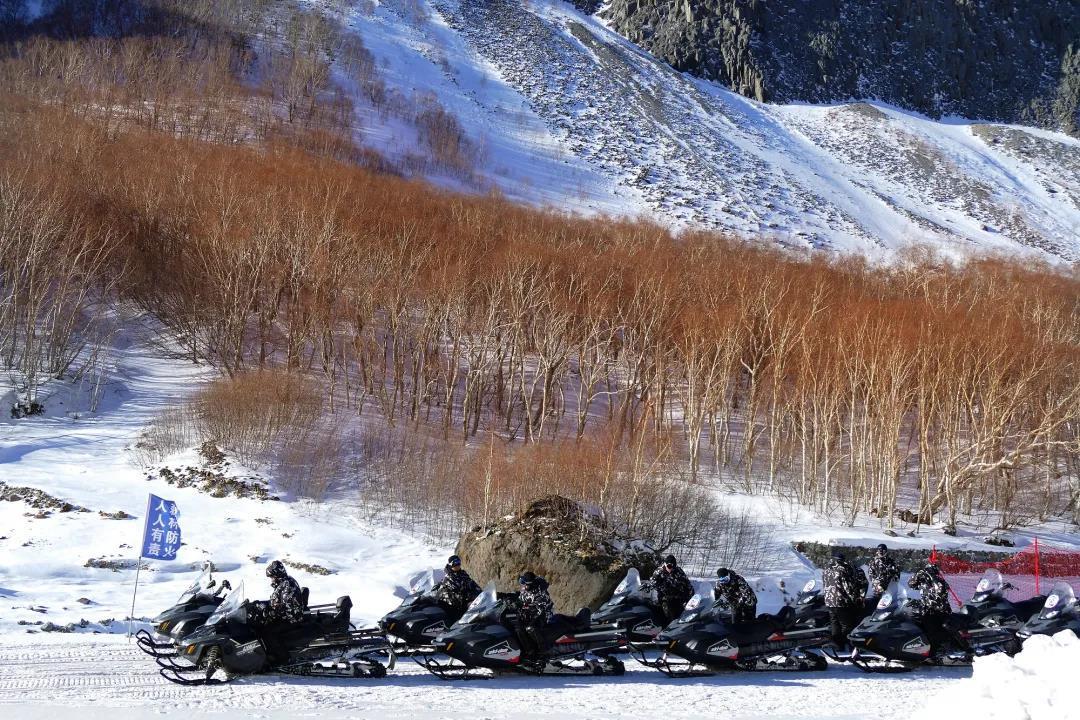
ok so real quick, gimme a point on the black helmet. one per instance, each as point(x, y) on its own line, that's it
point(454, 561)
point(838, 555)
point(882, 547)
point(275, 570)
point(723, 576)
point(670, 561)
point(528, 579)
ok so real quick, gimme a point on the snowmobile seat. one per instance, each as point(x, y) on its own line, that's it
point(343, 606)
point(304, 594)
point(560, 624)
point(781, 619)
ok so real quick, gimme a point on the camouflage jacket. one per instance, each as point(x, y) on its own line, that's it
point(535, 606)
point(934, 590)
point(286, 604)
point(845, 586)
point(457, 589)
point(883, 572)
point(673, 585)
point(738, 594)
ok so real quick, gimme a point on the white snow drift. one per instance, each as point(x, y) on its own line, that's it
point(1040, 683)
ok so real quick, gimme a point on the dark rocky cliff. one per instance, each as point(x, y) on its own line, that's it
point(985, 59)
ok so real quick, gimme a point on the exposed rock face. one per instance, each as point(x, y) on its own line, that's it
point(587, 6)
point(554, 538)
point(990, 59)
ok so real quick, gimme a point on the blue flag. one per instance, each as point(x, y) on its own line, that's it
point(161, 535)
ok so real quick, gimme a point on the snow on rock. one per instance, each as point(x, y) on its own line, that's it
point(1038, 684)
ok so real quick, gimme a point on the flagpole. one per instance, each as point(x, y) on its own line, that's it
point(138, 569)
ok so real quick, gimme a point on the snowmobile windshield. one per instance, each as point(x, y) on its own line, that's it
point(697, 608)
point(630, 587)
point(1061, 599)
point(202, 583)
point(892, 600)
point(424, 583)
point(810, 591)
point(990, 585)
point(482, 606)
point(421, 586)
point(232, 602)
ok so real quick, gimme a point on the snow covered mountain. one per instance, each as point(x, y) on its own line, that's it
point(563, 112)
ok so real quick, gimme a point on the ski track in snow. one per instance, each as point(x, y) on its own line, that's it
point(68, 676)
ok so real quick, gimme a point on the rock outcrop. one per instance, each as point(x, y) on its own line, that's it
point(554, 537)
point(989, 59)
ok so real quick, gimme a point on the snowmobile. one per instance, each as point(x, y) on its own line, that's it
point(633, 607)
point(989, 607)
point(1059, 612)
point(484, 639)
point(892, 639)
point(421, 617)
point(704, 639)
point(190, 612)
point(321, 644)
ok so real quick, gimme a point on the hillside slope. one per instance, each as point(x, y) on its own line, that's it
point(569, 114)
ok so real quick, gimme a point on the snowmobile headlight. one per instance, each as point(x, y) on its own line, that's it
point(883, 615)
point(1051, 614)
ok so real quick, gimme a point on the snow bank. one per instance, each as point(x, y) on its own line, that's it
point(1038, 684)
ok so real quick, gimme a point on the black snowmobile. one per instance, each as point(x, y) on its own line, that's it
point(321, 644)
point(705, 639)
point(892, 639)
point(1059, 612)
point(419, 619)
point(190, 612)
point(633, 607)
point(989, 607)
point(484, 639)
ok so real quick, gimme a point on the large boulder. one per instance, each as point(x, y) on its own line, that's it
point(554, 537)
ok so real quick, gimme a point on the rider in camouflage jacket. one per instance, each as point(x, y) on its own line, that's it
point(883, 571)
point(534, 604)
point(535, 608)
point(286, 603)
point(844, 590)
point(738, 595)
point(673, 588)
point(457, 589)
point(934, 590)
point(933, 610)
point(844, 585)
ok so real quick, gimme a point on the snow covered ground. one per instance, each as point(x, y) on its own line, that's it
point(91, 460)
point(105, 677)
point(570, 115)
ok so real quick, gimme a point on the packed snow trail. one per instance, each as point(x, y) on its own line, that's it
point(63, 676)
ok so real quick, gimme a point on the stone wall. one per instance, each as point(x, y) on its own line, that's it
point(908, 560)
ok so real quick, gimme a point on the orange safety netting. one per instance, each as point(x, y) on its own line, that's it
point(1032, 571)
